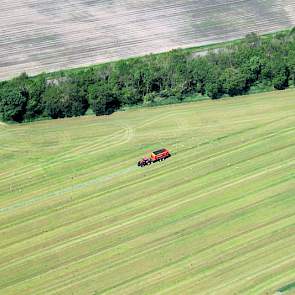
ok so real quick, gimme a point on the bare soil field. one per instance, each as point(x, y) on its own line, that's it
point(48, 35)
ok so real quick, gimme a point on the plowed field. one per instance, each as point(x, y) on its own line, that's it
point(47, 35)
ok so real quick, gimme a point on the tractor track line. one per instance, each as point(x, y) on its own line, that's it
point(91, 146)
point(175, 272)
point(137, 256)
point(222, 152)
point(245, 130)
point(232, 200)
point(78, 186)
point(70, 156)
point(284, 260)
point(233, 258)
point(282, 181)
point(216, 221)
point(90, 275)
point(131, 136)
point(136, 200)
point(69, 189)
point(153, 212)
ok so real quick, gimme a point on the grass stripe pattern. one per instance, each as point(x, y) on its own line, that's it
point(77, 216)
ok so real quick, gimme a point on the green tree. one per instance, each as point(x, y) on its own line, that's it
point(200, 68)
point(53, 102)
point(214, 89)
point(291, 61)
point(280, 74)
point(74, 99)
point(12, 103)
point(102, 99)
point(36, 88)
point(234, 82)
point(213, 84)
point(251, 69)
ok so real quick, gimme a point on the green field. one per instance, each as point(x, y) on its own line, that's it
point(77, 216)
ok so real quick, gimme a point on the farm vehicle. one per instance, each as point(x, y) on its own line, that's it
point(156, 156)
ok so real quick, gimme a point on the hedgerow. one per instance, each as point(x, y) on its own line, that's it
point(231, 70)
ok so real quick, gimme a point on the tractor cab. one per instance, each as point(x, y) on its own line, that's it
point(143, 162)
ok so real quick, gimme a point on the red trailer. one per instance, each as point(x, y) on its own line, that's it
point(160, 155)
point(156, 156)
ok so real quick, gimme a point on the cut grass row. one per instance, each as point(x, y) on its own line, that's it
point(217, 217)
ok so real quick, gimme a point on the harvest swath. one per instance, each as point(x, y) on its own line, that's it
point(79, 217)
point(47, 35)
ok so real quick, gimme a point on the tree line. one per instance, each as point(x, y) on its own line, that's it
point(231, 70)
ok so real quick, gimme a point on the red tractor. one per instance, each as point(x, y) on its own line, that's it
point(156, 156)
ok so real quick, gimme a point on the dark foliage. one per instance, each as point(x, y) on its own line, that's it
point(232, 70)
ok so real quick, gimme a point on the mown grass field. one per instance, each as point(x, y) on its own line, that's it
point(77, 216)
point(50, 35)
